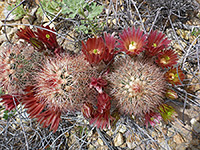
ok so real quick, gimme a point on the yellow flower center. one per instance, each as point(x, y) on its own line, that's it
point(47, 36)
point(165, 60)
point(171, 76)
point(167, 57)
point(169, 113)
point(95, 51)
point(154, 45)
point(132, 46)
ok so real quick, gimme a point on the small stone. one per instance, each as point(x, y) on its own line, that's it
point(122, 129)
point(91, 147)
point(109, 132)
point(178, 139)
point(12, 32)
point(102, 148)
point(181, 146)
point(195, 125)
point(195, 142)
point(154, 134)
point(2, 39)
point(130, 141)
point(123, 145)
point(67, 134)
point(165, 145)
point(100, 141)
point(90, 133)
point(173, 145)
point(119, 139)
point(161, 140)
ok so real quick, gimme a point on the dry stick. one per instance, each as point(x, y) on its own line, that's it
point(105, 141)
point(184, 108)
point(168, 147)
point(136, 125)
point(115, 14)
point(195, 103)
point(198, 62)
point(44, 10)
point(174, 31)
point(60, 136)
point(158, 12)
point(22, 126)
point(7, 18)
point(54, 17)
point(139, 16)
point(85, 136)
point(187, 54)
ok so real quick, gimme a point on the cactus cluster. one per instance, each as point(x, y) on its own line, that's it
point(131, 74)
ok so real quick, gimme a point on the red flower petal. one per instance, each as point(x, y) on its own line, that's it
point(47, 37)
point(94, 50)
point(156, 43)
point(98, 84)
point(110, 47)
point(88, 110)
point(50, 117)
point(153, 118)
point(171, 94)
point(9, 101)
point(167, 58)
point(132, 42)
point(175, 76)
point(26, 34)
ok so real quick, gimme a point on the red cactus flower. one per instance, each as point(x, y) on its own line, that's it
point(94, 50)
point(110, 47)
point(167, 58)
point(88, 110)
point(132, 42)
point(153, 118)
point(167, 112)
point(175, 76)
point(102, 116)
point(50, 117)
point(9, 101)
point(32, 104)
point(47, 37)
point(42, 39)
point(98, 84)
point(36, 108)
point(156, 43)
point(26, 34)
point(101, 120)
point(103, 102)
point(171, 94)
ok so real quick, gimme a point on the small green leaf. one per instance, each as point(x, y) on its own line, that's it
point(96, 11)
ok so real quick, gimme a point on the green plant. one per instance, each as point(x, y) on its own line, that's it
point(7, 114)
point(89, 20)
point(19, 12)
point(195, 32)
point(51, 7)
